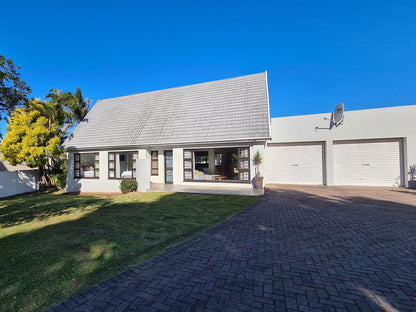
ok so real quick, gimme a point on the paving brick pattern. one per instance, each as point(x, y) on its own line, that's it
point(296, 249)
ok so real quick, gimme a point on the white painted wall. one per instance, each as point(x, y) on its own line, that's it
point(18, 182)
point(381, 123)
point(102, 184)
point(160, 178)
point(143, 165)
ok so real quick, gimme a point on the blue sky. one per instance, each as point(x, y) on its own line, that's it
point(317, 53)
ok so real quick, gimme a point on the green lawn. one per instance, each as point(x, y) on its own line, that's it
point(55, 245)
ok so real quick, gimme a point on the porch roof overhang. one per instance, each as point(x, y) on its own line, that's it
point(227, 143)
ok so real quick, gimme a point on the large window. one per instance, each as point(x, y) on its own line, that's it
point(122, 165)
point(86, 165)
point(201, 160)
point(155, 163)
point(222, 164)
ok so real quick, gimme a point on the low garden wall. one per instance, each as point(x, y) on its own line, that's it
point(18, 182)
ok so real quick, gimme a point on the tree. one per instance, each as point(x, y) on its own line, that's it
point(81, 107)
point(74, 103)
point(13, 91)
point(33, 136)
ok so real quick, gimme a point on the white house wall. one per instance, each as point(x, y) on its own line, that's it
point(103, 184)
point(160, 178)
point(382, 123)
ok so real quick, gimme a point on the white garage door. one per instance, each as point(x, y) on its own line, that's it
point(295, 164)
point(376, 163)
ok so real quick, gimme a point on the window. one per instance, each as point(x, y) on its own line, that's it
point(201, 160)
point(122, 165)
point(187, 165)
point(86, 165)
point(219, 164)
point(218, 159)
point(244, 161)
point(155, 163)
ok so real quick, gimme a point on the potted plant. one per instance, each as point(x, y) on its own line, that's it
point(412, 176)
point(257, 160)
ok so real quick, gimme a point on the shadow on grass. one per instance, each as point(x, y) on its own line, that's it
point(41, 267)
point(15, 211)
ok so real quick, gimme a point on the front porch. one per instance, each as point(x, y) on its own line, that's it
point(223, 190)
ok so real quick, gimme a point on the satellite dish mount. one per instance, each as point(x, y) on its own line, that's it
point(337, 117)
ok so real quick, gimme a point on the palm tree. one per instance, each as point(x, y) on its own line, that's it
point(51, 110)
point(75, 104)
point(80, 109)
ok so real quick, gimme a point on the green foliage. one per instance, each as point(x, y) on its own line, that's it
point(74, 103)
point(59, 172)
point(412, 172)
point(33, 134)
point(13, 91)
point(128, 185)
point(59, 180)
point(257, 161)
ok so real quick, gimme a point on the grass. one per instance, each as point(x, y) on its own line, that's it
point(55, 245)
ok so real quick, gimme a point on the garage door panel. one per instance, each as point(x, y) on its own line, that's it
point(375, 163)
point(295, 164)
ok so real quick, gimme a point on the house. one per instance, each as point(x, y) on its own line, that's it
point(17, 179)
point(206, 134)
point(202, 134)
point(372, 147)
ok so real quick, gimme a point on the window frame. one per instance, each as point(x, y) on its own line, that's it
point(78, 161)
point(133, 165)
point(244, 159)
point(154, 160)
point(188, 156)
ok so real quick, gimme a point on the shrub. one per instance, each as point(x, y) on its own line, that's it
point(59, 180)
point(128, 185)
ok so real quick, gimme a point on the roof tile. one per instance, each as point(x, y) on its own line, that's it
point(223, 110)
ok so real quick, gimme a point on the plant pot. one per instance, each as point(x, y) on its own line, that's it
point(258, 181)
point(412, 184)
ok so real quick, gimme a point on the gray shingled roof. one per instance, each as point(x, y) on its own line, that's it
point(218, 111)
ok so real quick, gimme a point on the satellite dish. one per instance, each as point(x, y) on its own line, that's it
point(338, 115)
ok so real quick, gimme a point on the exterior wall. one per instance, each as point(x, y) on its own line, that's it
point(382, 123)
point(18, 182)
point(160, 178)
point(143, 171)
point(102, 184)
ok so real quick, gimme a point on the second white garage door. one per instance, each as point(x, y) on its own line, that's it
point(295, 164)
point(377, 163)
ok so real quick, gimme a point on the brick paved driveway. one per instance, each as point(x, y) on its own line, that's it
point(296, 249)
